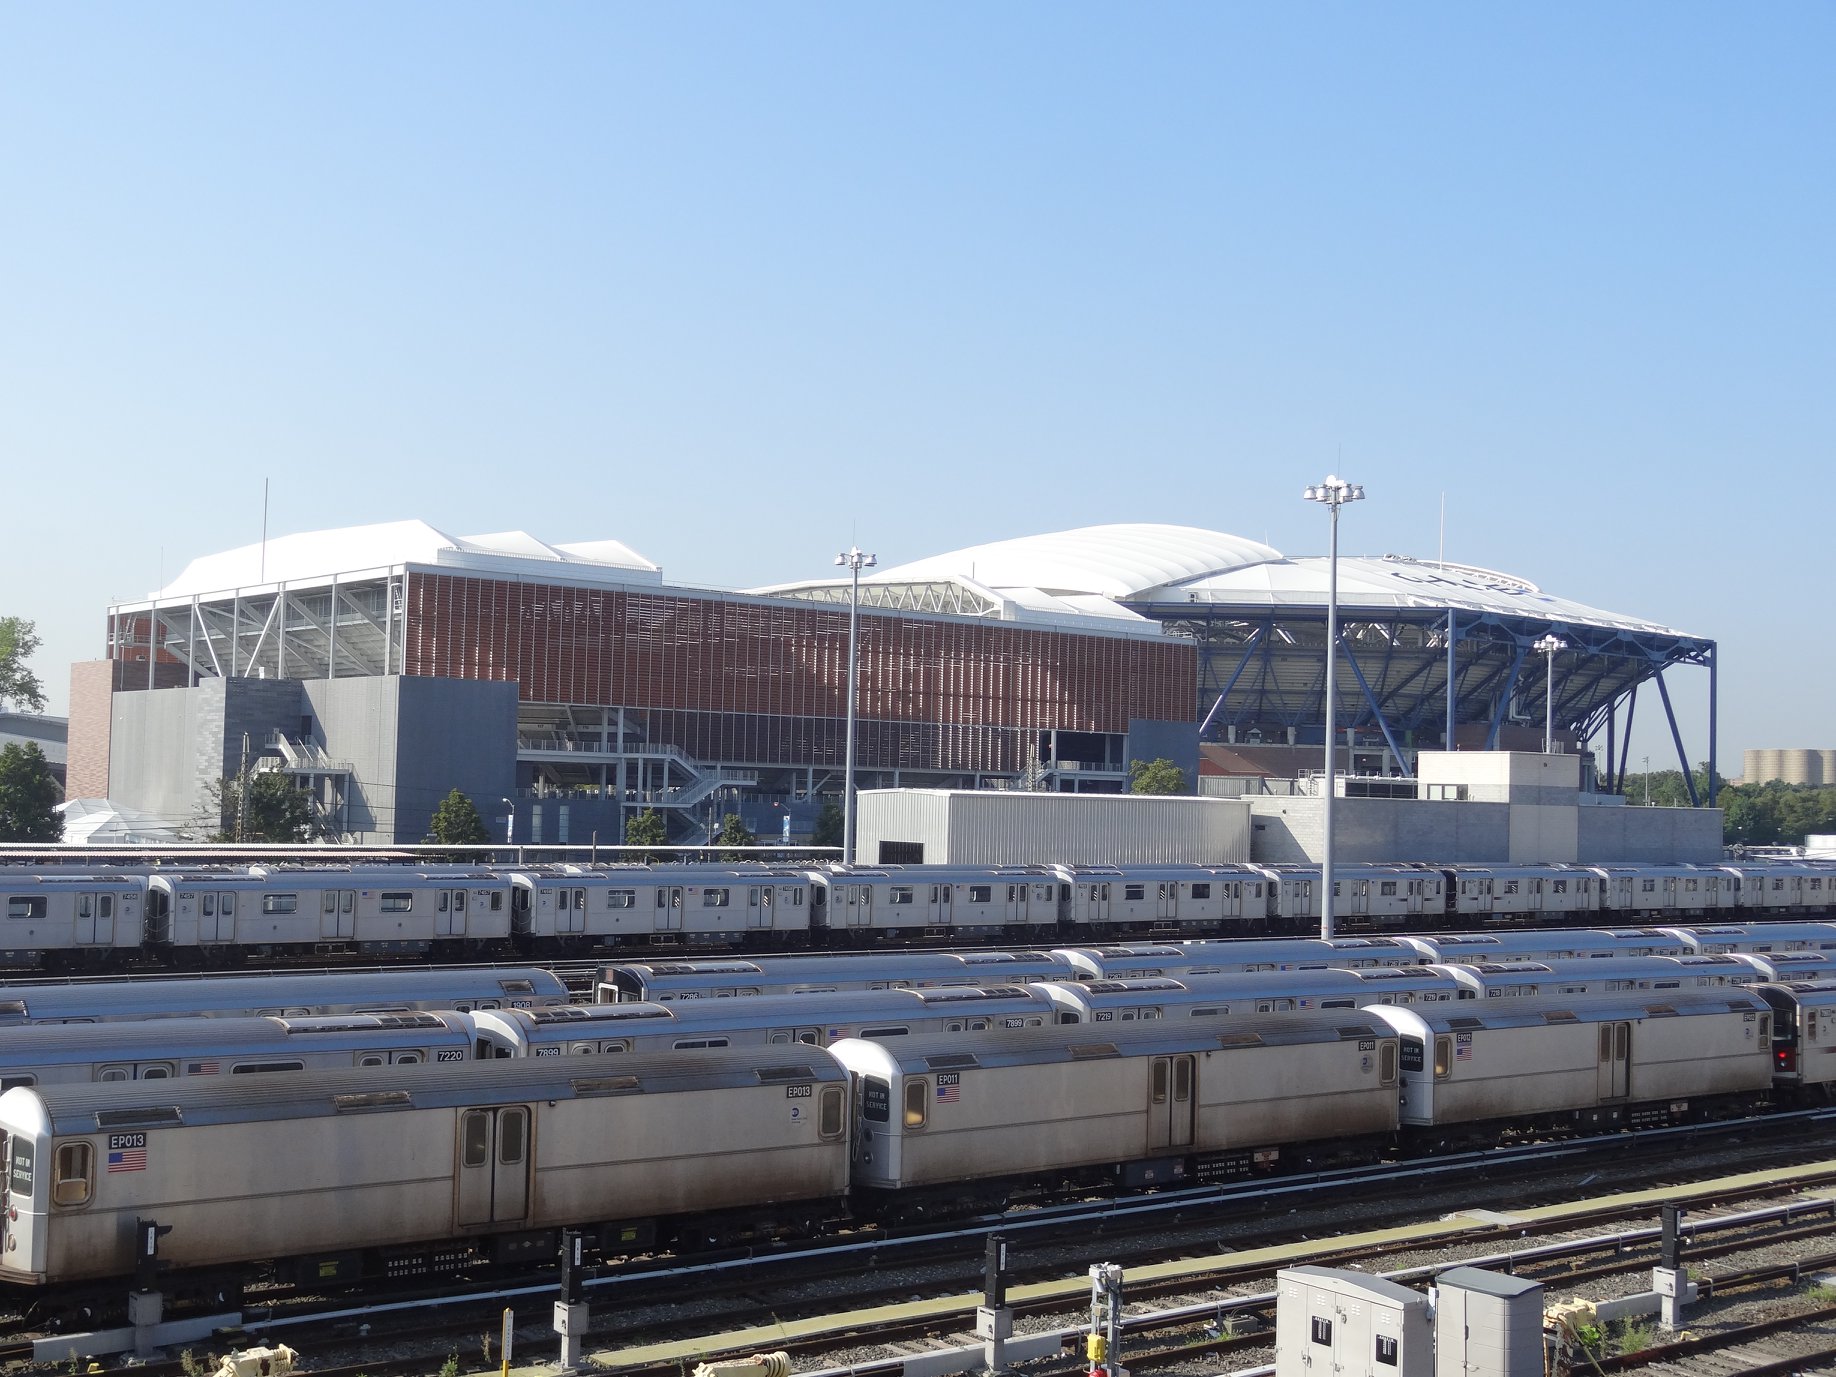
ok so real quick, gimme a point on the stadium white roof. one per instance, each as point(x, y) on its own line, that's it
point(317, 555)
point(1144, 564)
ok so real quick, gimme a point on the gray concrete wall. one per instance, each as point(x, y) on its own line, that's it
point(164, 746)
point(452, 734)
point(1661, 835)
point(1174, 741)
point(355, 720)
point(1287, 831)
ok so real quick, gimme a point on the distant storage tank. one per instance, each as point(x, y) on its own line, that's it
point(1801, 767)
point(1760, 766)
point(1829, 767)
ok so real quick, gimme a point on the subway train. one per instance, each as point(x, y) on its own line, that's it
point(70, 919)
point(340, 1176)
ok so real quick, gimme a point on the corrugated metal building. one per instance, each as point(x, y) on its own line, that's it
point(1010, 827)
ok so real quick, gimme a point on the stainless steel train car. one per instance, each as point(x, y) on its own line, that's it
point(1580, 1064)
point(318, 911)
point(174, 1048)
point(1164, 899)
point(289, 994)
point(1245, 993)
point(666, 981)
point(815, 1020)
point(946, 1124)
point(1612, 977)
point(573, 908)
point(71, 920)
point(1760, 938)
point(1551, 944)
point(1489, 891)
point(1182, 959)
point(855, 904)
point(1803, 1035)
point(338, 1175)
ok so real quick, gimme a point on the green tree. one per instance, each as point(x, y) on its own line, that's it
point(734, 832)
point(829, 825)
point(19, 687)
point(647, 829)
point(1158, 776)
point(275, 810)
point(28, 796)
point(456, 822)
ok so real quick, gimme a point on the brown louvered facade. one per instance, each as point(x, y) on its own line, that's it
point(751, 680)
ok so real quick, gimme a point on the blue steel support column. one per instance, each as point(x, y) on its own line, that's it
point(1609, 753)
point(1376, 710)
point(1504, 699)
point(1249, 653)
point(1676, 737)
point(1713, 780)
point(1625, 747)
point(1453, 679)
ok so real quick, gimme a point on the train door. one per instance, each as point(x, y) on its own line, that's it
point(1615, 1059)
point(95, 921)
point(493, 1166)
point(1171, 1101)
point(337, 914)
point(860, 906)
point(1166, 900)
point(758, 906)
point(572, 917)
point(669, 908)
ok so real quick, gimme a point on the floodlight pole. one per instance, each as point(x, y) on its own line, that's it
point(509, 823)
point(1548, 647)
point(1335, 492)
point(854, 561)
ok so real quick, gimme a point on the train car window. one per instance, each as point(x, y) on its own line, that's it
point(1157, 1081)
point(497, 901)
point(1386, 1064)
point(981, 894)
point(700, 1042)
point(752, 897)
point(11, 1082)
point(25, 906)
point(258, 1068)
point(408, 1059)
point(917, 1102)
point(1134, 892)
point(475, 1143)
point(115, 1073)
point(580, 900)
point(458, 901)
point(713, 898)
point(880, 1034)
point(280, 903)
point(346, 900)
point(156, 1071)
point(83, 906)
point(208, 905)
point(829, 1113)
point(900, 894)
point(227, 905)
point(328, 901)
point(372, 1059)
point(1387, 889)
point(1201, 891)
point(1443, 1058)
point(397, 903)
point(70, 1174)
point(512, 1136)
point(621, 898)
point(442, 902)
point(1338, 1004)
point(662, 898)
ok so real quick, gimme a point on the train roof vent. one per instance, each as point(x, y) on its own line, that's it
point(705, 968)
point(371, 1099)
point(1091, 1051)
point(602, 1013)
point(992, 958)
point(13, 1008)
point(1660, 1011)
point(778, 1075)
point(946, 994)
point(1133, 986)
point(1559, 1016)
point(604, 1085)
point(1357, 1030)
point(362, 1023)
point(153, 1117)
point(1464, 1023)
point(516, 986)
point(951, 1061)
point(1742, 1004)
point(1239, 1039)
point(1382, 973)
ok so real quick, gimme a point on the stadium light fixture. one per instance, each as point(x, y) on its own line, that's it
point(509, 823)
point(1334, 493)
point(853, 560)
point(1549, 647)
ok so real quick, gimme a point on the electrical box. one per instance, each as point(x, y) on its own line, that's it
point(1487, 1325)
point(1333, 1322)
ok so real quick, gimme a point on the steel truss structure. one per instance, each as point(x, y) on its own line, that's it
point(1422, 673)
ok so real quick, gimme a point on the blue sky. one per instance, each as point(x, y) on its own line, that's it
point(740, 284)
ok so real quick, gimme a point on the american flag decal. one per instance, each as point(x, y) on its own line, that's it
point(949, 1087)
point(200, 1068)
point(128, 1159)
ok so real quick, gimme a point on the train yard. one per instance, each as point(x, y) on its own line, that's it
point(1173, 1105)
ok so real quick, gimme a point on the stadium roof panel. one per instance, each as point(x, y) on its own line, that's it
point(312, 555)
point(1121, 561)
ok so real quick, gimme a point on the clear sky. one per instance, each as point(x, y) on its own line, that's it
point(738, 284)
